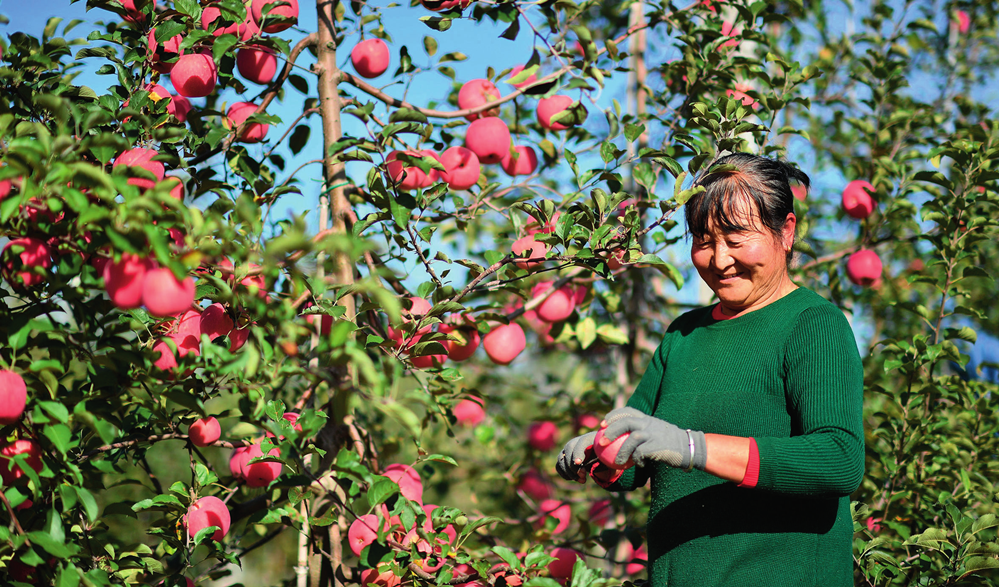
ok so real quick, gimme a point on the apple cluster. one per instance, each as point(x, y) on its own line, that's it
point(863, 267)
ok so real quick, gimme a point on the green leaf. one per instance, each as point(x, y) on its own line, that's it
point(381, 489)
point(612, 334)
point(586, 332)
point(508, 556)
point(430, 45)
point(663, 267)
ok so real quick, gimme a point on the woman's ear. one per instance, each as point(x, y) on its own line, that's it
point(787, 233)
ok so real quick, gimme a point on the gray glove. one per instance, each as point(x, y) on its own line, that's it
point(653, 439)
point(571, 464)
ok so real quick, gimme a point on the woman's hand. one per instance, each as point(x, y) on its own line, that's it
point(652, 439)
point(571, 464)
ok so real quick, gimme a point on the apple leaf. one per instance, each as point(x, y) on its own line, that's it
point(586, 332)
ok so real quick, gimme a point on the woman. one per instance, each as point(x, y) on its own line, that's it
point(748, 420)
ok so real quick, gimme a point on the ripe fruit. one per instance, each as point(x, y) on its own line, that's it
point(516, 70)
point(522, 160)
point(438, 5)
point(739, 93)
point(253, 132)
point(363, 531)
point(132, 10)
point(549, 227)
point(164, 295)
point(636, 555)
point(504, 343)
point(143, 159)
point(548, 107)
point(204, 431)
point(13, 397)
point(468, 412)
point(237, 461)
point(536, 251)
point(535, 485)
point(261, 474)
point(30, 253)
point(857, 200)
point(565, 559)
point(542, 435)
point(410, 178)
point(177, 191)
point(165, 359)
point(382, 576)
point(963, 21)
point(587, 422)
point(9, 470)
point(466, 329)
point(729, 29)
point(600, 512)
point(555, 509)
point(461, 168)
point(864, 267)
point(123, 281)
point(194, 75)
point(259, 9)
point(179, 107)
point(799, 191)
point(257, 64)
point(606, 450)
point(489, 139)
point(475, 93)
point(408, 480)
point(205, 512)
point(558, 306)
point(225, 27)
point(159, 54)
point(428, 361)
point(370, 58)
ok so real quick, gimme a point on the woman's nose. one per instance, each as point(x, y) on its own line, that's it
point(720, 256)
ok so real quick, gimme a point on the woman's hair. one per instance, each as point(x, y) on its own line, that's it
point(745, 178)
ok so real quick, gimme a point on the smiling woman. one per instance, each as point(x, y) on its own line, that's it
point(748, 419)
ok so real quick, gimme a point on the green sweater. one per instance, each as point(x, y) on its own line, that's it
point(789, 376)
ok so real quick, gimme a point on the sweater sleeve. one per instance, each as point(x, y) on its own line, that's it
point(644, 399)
point(824, 385)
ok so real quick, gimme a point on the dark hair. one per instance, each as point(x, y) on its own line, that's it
point(763, 181)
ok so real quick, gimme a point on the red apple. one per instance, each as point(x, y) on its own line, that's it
point(238, 337)
point(408, 480)
point(489, 139)
point(636, 556)
point(123, 280)
point(606, 450)
point(194, 75)
point(534, 228)
point(30, 254)
point(438, 5)
point(465, 327)
point(370, 58)
point(237, 462)
point(225, 27)
point(587, 421)
point(160, 55)
point(261, 474)
point(478, 92)
point(143, 159)
point(565, 559)
point(418, 307)
point(600, 512)
point(513, 73)
point(468, 412)
point(10, 472)
point(504, 343)
point(362, 532)
point(461, 166)
point(257, 63)
point(558, 306)
point(542, 435)
point(410, 178)
point(20, 572)
point(325, 320)
point(739, 93)
point(165, 360)
point(261, 8)
point(179, 107)
point(133, 10)
point(729, 29)
point(428, 361)
point(207, 511)
point(204, 431)
point(864, 267)
point(381, 576)
point(963, 21)
point(535, 250)
point(428, 526)
point(13, 397)
point(522, 160)
point(555, 509)
point(857, 200)
point(799, 191)
point(253, 132)
point(548, 107)
point(535, 485)
point(164, 295)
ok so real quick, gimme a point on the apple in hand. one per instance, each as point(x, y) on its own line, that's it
point(478, 92)
point(253, 132)
point(370, 58)
point(522, 160)
point(607, 450)
point(13, 397)
point(461, 168)
point(489, 139)
point(207, 511)
point(504, 343)
point(204, 431)
point(864, 267)
point(857, 200)
point(194, 75)
point(257, 63)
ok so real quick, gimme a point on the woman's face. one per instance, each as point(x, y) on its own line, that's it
point(746, 270)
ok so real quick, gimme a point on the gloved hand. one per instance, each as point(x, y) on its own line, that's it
point(652, 439)
point(571, 464)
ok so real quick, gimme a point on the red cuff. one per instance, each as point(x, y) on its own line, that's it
point(752, 467)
